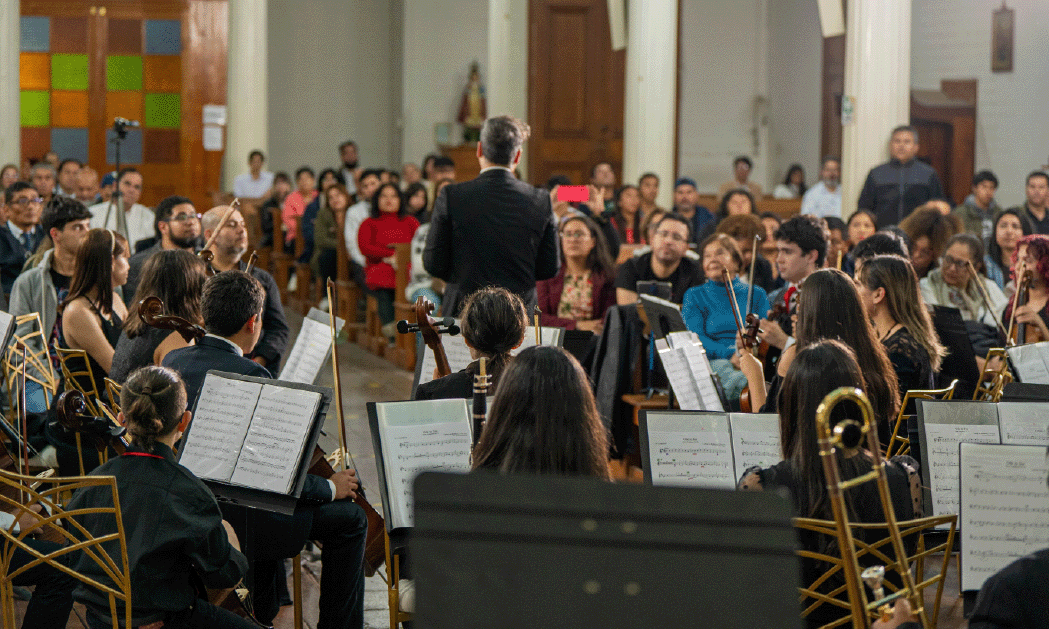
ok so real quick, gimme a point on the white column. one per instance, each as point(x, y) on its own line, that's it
point(507, 81)
point(651, 94)
point(247, 112)
point(878, 80)
point(10, 102)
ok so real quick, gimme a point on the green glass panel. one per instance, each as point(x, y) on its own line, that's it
point(69, 72)
point(163, 111)
point(124, 73)
point(36, 108)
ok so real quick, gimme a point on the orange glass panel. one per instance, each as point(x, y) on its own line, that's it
point(162, 73)
point(69, 109)
point(34, 70)
point(124, 105)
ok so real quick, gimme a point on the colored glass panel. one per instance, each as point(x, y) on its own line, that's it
point(69, 34)
point(163, 146)
point(162, 74)
point(69, 109)
point(70, 143)
point(130, 148)
point(163, 111)
point(36, 34)
point(124, 105)
point(34, 70)
point(69, 72)
point(123, 72)
point(163, 37)
point(36, 108)
point(35, 141)
point(124, 36)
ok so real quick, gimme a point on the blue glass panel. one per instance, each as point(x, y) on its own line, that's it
point(70, 143)
point(36, 34)
point(163, 37)
point(130, 148)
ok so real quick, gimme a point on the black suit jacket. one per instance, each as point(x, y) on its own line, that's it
point(12, 257)
point(492, 231)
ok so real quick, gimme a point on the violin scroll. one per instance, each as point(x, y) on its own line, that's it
point(151, 310)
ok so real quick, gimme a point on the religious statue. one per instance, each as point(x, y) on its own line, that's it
point(472, 111)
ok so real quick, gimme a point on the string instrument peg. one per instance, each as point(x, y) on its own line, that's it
point(151, 311)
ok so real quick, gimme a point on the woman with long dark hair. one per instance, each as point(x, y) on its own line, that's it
point(928, 230)
point(793, 186)
point(584, 288)
point(1009, 227)
point(544, 419)
point(388, 224)
point(738, 202)
point(1034, 251)
point(418, 201)
point(626, 217)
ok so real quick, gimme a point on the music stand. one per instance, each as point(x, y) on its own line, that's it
point(492, 550)
point(1025, 392)
point(961, 364)
point(663, 316)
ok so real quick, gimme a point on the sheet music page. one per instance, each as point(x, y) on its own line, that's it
point(7, 321)
point(947, 424)
point(1005, 508)
point(551, 336)
point(680, 376)
point(311, 349)
point(420, 436)
point(1024, 423)
point(276, 437)
point(454, 348)
point(690, 449)
point(1030, 362)
point(699, 365)
point(755, 440)
point(219, 424)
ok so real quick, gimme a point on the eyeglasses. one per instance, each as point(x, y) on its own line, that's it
point(575, 235)
point(675, 236)
point(950, 261)
point(27, 201)
point(184, 217)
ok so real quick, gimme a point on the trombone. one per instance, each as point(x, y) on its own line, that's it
point(849, 434)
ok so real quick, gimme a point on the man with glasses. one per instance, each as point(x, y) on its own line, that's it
point(665, 263)
point(21, 234)
point(43, 177)
point(177, 226)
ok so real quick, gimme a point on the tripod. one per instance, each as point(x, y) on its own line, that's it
point(116, 200)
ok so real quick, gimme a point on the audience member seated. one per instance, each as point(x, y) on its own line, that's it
point(708, 312)
point(860, 225)
point(327, 232)
point(818, 370)
point(793, 186)
point(176, 277)
point(68, 169)
point(1036, 207)
point(281, 190)
point(648, 186)
point(584, 288)
point(686, 203)
point(741, 173)
point(329, 177)
point(177, 227)
point(351, 170)
point(22, 232)
point(771, 221)
point(388, 224)
point(665, 263)
point(8, 175)
point(418, 201)
point(626, 218)
point(295, 203)
point(443, 170)
point(1009, 227)
point(734, 203)
point(603, 181)
point(174, 529)
point(256, 183)
point(953, 285)
point(824, 197)
point(87, 186)
point(44, 177)
point(543, 419)
point(138, 217)
point(928, 230)
point(978, 210)
point(1034, 314)
point(743, 229)
point(107, 187)
point(368, 183)
point(889, 290)
point(493, 324)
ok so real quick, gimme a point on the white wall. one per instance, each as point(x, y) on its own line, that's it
point(952, 40)
point(330, 68)
point(441, 39)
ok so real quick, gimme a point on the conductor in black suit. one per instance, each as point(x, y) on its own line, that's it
point(232, 305)
point(494, 230)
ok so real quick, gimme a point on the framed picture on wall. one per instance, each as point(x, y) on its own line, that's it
point(442, 134)
point(1002, 40)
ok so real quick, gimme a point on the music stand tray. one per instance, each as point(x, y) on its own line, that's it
point(663, 316)
point(492, 550)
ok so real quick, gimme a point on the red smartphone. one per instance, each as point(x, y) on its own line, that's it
point(573, 194)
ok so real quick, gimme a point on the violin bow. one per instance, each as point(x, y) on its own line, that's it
point(332, 309)
point(750, 280)
point(1020, 273)
point(538, 330)
point(234, 204)
point(732, 300)
point(986, 297)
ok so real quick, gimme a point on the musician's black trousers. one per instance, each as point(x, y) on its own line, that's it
point(53, 598)
point(341, 527)
point(203, 615)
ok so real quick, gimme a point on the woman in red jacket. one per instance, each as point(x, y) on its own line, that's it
point(584, 289)
point(389, 224)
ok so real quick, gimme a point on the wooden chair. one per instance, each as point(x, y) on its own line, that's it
point(76, 376)
point(899, 443)
point(108, 552)
point(403, 352)
point(829, 587)
point(393, 586)
point(372, 339)
point(38, 362)
point(785, 208)
point(304, 297)
point(250, 210)
point(348, 293)
point(993, 379)
point(282, 262)
point(113, 389)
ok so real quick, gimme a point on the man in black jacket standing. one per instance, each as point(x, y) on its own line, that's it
point(493, 230)
point(893, 189)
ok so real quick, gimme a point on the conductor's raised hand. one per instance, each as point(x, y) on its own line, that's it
point(345, 484)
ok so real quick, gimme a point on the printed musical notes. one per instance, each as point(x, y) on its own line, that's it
point(311, 349)
point(1004, 507)
point(680, 376)
point(551, 336)
point(1031, 362)
point(688, 344)
point(459, 354)
point(755, 441)
point(690, 449)
point(219, 424)
point(275, 439)
point(1024, 423)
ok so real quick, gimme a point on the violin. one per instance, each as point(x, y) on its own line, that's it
point(431, 330)
point(151, 311)
point(1018, 332)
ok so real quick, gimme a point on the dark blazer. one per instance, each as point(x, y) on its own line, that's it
point(12, 257)
point(603, 291)
point(492, 231)
point(135, 264)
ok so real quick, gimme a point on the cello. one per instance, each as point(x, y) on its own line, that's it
point(431, 330)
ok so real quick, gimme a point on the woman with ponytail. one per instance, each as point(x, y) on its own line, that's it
point(172, 523)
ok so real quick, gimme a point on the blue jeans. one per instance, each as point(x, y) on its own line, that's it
point(732, 379)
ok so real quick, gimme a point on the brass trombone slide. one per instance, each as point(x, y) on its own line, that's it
point(849, 435)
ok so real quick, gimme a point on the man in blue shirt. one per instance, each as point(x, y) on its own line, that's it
point(686, 203)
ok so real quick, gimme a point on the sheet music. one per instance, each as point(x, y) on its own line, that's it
point(454, 348)
point(1031, 362)
point(690, 449)
point(696, 359)
point(275, 438)
point(7, 322)
point(420, 436)
point(220, 422)
point(551, 336)
point(311, 349)
point(1005, 508)
point(945, 425)
point(1024, 423)
point(755, 441)
point(680, 376)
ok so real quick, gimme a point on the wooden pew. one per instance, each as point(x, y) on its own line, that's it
point(250, 210)
point(281, 261)
point(403, 353)
point(348, 293)
point(304, 295)
point(785, 208)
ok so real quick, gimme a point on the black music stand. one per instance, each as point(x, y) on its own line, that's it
point(1025, 392)
point(961, 361)
point(514, 552)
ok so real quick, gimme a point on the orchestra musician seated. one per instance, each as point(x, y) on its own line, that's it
point(232, 306)
point(1033, 309)
point(493, 322)
point(928, 230)
point(583, 289)
point(816, 371)
point(175, 276)
point(709, 313)
point(172, 522)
